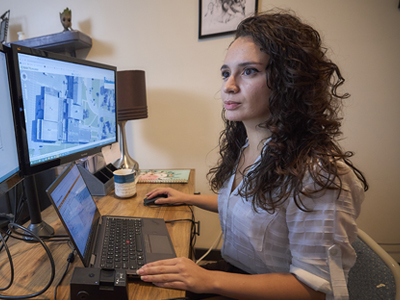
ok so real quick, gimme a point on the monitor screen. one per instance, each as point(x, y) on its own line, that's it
point(9, 163)
point(67, 107)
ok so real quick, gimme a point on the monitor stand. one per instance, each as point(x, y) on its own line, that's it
point(37, 226)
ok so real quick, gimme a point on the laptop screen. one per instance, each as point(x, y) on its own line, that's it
point(76, 207)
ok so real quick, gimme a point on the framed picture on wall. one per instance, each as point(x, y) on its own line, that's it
point(218, 17)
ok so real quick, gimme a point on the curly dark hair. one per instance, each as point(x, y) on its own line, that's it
point(304, 117)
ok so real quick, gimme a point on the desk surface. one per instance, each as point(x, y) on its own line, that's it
point(32, 267)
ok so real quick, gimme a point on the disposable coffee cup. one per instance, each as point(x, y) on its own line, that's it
point(125, 185)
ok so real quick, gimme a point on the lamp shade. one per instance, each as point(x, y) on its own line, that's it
point(131, 95)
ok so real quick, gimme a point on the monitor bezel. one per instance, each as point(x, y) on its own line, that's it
point(26, 167)
point(16, 177)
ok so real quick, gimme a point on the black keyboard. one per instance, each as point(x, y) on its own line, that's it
point(122, 247)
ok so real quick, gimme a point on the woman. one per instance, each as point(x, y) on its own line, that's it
point(288, 196)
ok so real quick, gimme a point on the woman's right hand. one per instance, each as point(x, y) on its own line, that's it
point(207, 202)
point(174, 196)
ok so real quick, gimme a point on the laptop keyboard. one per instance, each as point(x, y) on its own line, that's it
point(122, 247)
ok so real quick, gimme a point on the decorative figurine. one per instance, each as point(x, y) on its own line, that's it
point(65, 18)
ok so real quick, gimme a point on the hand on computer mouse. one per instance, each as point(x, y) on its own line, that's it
point(169, 196)
point(148, 202)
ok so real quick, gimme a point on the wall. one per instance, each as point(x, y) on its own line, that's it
point(183, 83)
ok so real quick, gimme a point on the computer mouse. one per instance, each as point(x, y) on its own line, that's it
point(148, 202)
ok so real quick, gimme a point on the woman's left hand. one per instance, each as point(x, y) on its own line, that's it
point(177, 273)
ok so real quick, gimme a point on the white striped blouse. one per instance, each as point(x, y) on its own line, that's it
point(314, 246)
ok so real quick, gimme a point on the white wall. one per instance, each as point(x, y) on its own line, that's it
point(183, 83)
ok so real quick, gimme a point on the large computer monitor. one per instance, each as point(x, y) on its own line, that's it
point(9, 163)
point(65, 110)
point(66, 107)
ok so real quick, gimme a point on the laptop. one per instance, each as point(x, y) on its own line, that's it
point(99, 241)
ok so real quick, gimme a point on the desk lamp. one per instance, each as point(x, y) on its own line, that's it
point(131, 105)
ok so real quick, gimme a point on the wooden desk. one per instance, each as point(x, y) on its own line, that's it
point(32, 267)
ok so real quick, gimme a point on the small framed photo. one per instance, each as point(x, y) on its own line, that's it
point(218, 17)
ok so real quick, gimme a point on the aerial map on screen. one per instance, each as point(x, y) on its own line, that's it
point(67, 107)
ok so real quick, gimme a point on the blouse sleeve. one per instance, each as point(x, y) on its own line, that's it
point(320, 240)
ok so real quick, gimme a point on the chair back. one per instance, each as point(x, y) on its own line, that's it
point(375, 274)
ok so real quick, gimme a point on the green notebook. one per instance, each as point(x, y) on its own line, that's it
point(163, 176)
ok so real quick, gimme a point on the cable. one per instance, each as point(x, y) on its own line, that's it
point(12, 227)
point(165, 205)
point(193, 233)
point(55, 238)
point(50, 238)
point(216, 242)
point(179, 220)
point(70, 259)
point(4, 241)
point(18, 207)
point(11, 263)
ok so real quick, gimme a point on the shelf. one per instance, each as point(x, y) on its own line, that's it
point(66, 42)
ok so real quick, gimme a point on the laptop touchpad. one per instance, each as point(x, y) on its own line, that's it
point(158, 244)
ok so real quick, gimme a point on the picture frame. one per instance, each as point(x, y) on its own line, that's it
point(220, 17)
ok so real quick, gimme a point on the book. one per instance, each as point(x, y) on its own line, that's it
point(163, 176)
